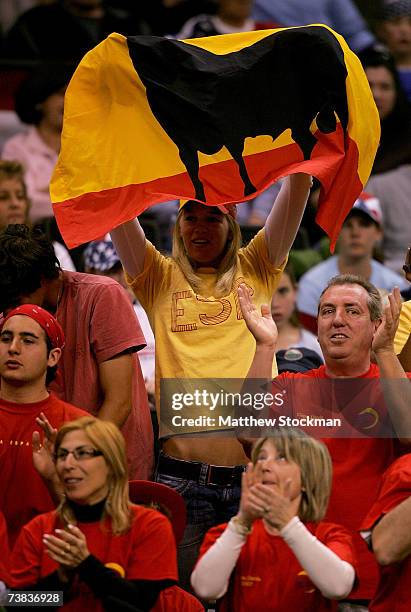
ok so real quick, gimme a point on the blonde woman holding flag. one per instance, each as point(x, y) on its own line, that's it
point(192, 304)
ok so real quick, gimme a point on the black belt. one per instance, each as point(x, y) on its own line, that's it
point(200, 472)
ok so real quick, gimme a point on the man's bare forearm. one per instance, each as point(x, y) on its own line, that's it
point(391, 538)
point(115, 412)
point(397, 393)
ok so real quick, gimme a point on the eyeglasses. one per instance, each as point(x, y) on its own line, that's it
point(407, 266)
point(80, 454)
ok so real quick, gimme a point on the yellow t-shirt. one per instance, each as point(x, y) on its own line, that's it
point(402, 341)
point(200, 336)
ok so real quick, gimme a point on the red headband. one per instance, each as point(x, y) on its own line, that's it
point(50, 325)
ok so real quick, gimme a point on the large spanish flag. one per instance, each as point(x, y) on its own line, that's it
point(217, 119)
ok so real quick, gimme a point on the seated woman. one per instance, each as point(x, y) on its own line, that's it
point(276, 553)
point(101, 550)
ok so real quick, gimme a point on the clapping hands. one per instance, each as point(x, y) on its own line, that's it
point(258, 500)
point(384, 336)
point(68, 548)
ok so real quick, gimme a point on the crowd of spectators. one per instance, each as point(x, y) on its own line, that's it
point(92, 475)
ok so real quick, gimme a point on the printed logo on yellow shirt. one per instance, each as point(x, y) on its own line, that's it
point(218, 310)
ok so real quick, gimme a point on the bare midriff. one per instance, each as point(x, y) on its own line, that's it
point(207, 449)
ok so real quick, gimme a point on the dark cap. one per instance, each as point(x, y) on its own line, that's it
point(298, 359)
point(100, 255)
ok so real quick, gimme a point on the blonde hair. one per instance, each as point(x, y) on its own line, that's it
point(107, 438)
point(313, 459)
point(227, 269)
point(10, 169)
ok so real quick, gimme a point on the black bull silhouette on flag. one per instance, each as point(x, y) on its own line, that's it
point(205, 101)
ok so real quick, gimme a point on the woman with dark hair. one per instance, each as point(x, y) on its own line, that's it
point(276, 553)
point(39, 103)
point(390, 180)
point(102, 551)
point(394, 110)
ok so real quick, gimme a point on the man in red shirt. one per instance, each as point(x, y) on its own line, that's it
point(99, 370)
point(390, 522)
point(31, 342)
point(351, 326)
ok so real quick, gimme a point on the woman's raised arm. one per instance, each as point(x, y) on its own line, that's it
point(130, 243)
point(285, 217)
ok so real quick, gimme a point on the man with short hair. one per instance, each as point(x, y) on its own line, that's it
point(351, 326)
point(99, 370)
point(360, 233)
point(31, 342)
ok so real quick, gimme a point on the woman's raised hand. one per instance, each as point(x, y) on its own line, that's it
point(261, 324)
point(43, 449)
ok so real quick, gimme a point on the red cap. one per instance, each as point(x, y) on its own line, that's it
point(51, 326)
point(227, 209)
point(147, 492)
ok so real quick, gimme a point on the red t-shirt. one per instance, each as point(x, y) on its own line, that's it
point(99, 323)
point(268, 575)
point(146, 552)
point(24, 494)
point(394, 589)
point(175, 599)
point(358, 462)
point(4, 552)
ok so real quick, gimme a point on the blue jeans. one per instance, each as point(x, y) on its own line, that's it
point(207, 506)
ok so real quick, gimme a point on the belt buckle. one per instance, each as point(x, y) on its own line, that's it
point(227, 481)
point(209, 471)
point(231, 475)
